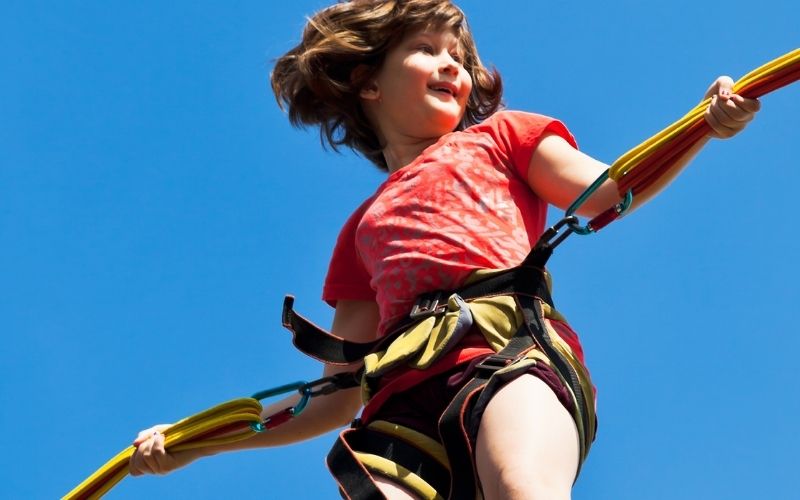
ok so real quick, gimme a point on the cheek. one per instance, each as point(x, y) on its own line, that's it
point(417, 66)
point(467, 86)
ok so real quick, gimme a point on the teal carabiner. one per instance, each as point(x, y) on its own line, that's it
point(268, 393)
point(282, 416)
point(580, 200)
point(305, 395)
point(307, 390)
point(620, 207)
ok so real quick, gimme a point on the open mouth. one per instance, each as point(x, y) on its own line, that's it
point(444, 89)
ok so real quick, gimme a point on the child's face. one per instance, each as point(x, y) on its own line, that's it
point(422, 88)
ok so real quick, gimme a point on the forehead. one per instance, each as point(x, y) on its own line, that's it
point(448, 34)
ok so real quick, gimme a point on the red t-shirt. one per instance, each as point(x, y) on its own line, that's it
point(461, 205)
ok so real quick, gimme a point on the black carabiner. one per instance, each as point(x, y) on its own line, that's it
point(551, 238)
point(328, 385)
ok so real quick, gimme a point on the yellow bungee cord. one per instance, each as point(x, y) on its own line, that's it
point(233, 418)
point(786, 65)
point(229, 422)
point(637, 169)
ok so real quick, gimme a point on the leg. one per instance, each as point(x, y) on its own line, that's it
point(527, 446)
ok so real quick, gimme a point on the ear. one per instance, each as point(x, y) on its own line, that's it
point(370, 92)
point(361, 77)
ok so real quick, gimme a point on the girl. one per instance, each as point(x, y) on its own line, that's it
point(400, 81)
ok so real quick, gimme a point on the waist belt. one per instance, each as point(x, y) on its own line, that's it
point(525, 280)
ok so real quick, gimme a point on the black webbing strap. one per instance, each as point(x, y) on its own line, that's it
point(533, 320)
point(319, 343)
point(527, 280)
point(355, 482)
point(342, 461)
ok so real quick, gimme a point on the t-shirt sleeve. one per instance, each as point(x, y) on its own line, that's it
point(518, 134)
point(347, 278)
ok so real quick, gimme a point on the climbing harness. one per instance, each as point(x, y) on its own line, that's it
point(520, 339)
point(437, 322)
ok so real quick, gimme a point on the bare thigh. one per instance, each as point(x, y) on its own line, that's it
point(527, 444)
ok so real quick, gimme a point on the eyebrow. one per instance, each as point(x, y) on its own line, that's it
point(430, 34)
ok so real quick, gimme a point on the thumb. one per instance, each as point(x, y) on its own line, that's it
point(148, 433)
point(722, 86)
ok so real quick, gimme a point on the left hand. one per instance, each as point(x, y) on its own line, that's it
point(729, 113)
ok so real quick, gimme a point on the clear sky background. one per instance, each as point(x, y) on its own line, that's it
point(155, 206)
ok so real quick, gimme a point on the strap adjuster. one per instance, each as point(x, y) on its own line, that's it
point(428, 304)
point(495, 362)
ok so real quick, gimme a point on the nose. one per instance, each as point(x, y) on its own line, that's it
point(448, 65)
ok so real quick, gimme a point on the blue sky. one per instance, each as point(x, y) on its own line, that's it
point(155, 206)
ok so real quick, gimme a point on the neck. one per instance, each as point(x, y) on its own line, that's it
point(400, 153)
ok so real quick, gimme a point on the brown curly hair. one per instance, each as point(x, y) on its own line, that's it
point(316, 82)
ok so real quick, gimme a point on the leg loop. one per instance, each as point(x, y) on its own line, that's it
point(459, 424)
point(404, 456)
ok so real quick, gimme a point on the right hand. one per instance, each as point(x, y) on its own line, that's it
point(729, 113)
point(151, 457)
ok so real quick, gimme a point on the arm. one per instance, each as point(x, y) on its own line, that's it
point(558, 173)
point(356, 321)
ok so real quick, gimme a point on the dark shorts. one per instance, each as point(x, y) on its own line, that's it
point(420, 407)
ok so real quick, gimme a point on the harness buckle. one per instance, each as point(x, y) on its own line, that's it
point(495, 362)
point(428, 304)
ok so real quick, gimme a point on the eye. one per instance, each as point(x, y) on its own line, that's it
point(425, 48)
point(457, 57)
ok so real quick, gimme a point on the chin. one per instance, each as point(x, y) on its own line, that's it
point(439, 129)
point(446, 121)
